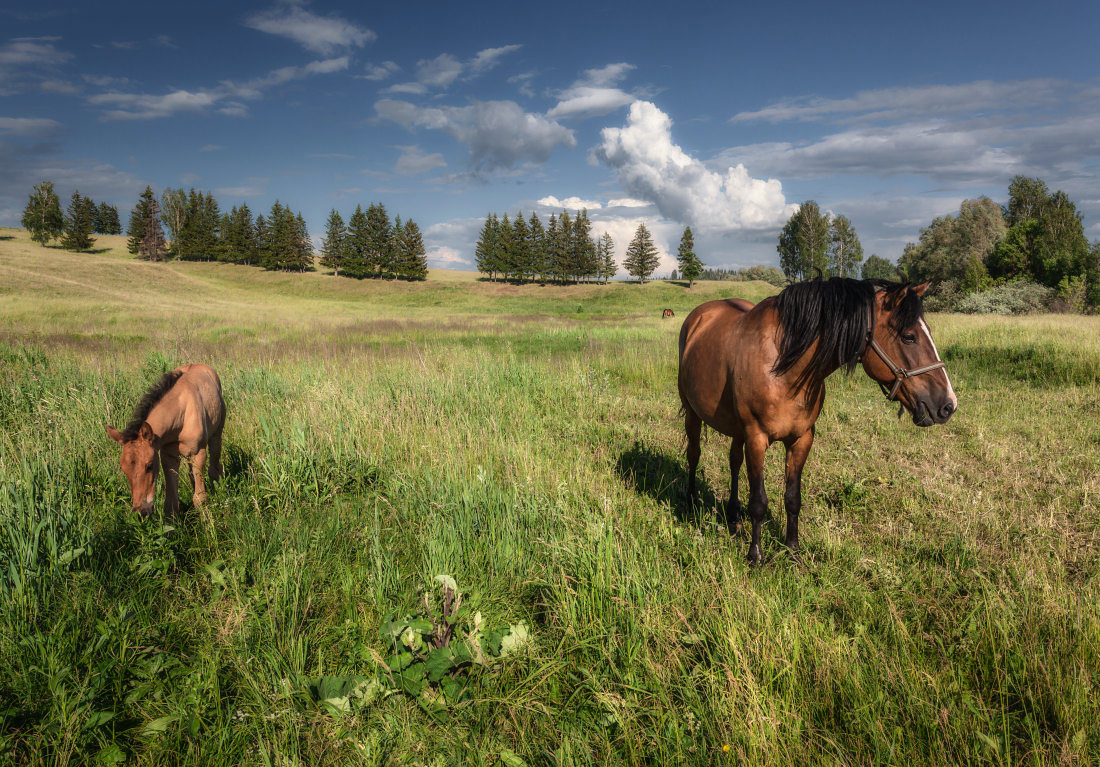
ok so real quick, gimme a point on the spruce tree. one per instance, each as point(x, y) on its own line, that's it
point(582, 250)
point(139, 216)
point(153, 246)
point(357, 263)
point(690, 266)
point(261, 242)
point(641, 256)
point(560, 248)
point(536, 239)
point(334, 246)
point(521, 248)
point(485, 251)
point(506, 244)
point(107, 219)
point(78, 223)
point(608, 267)
point(413, 257)
point(379, 240)
point(42, 217)
point(304, 245)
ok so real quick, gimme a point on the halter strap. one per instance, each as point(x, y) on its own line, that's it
point(900, 373)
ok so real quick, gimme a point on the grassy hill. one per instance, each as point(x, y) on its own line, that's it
point(525, 441)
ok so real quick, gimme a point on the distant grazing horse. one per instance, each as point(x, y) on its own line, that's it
point(667, 313)
point(183, 414)
point(757, 374)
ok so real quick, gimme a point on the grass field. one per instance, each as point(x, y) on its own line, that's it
point(525, 441)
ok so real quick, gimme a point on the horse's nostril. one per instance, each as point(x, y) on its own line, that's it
point(946, 411)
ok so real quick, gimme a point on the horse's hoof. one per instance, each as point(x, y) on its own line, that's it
point(754, 557)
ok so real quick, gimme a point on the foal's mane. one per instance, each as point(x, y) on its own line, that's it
point(148, 402)
point(834, 313)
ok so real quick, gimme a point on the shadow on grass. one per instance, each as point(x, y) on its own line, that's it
point(664, 479)
point(7, 236)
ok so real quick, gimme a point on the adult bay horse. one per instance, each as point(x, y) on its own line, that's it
point(181, 415)
point(757, 374)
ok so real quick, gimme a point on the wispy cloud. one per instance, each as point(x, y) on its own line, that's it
point(379, 72)
point(321, 34)
point(439, 73)
point(39, 127)
point(413, 161)
point(211, 148)
point(594, 93)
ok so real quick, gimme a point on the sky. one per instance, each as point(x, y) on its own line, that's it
point(721, 116)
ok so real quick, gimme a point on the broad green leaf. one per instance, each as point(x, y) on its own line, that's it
point(511, 759)
point(99, 717)
point(517, 638)
point(447, 582)
point(440, 661)
point(158, 725)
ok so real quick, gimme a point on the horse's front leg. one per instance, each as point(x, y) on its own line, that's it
point(797, 451)
point(733, 506)
point(755, 447)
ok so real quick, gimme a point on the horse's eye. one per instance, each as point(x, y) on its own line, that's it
point(149, 467)
point(908, 338)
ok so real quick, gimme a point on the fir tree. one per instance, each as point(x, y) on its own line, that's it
point(261, 242)
point(42, 217)
point(139, 216)
point(690, 266)
point(304, 243)
point(380, 244)
point(334, 246)
point(506, 244)
point(486, 252)
point(413, 259)
point(560, 247)
point(108, 219)
point(536, 239)
point(521, 248)
point(153, 246)
point(641, 256)
point(582, 250)
point(78, 223)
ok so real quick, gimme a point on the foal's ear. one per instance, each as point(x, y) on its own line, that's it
point(113, 433)
point(919, 289)
point(147, 434)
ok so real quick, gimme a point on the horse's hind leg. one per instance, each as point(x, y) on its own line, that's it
point(755, 447)
point(693, 425)
point(214, 457)
point(733, 506)
point(198, 463)
point(797, 452)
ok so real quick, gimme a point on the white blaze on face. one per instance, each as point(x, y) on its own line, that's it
point(950, 389)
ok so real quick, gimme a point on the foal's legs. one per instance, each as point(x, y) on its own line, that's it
point(797, 451)
point(170, 462)
point(198, 463)
point(693, 425)
point(755, 447)
point(733, 506)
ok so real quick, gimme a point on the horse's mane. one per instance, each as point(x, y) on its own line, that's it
point(148, 402)
point(834, 313)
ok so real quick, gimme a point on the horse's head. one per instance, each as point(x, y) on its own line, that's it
point(139, 463)
point(902, 357)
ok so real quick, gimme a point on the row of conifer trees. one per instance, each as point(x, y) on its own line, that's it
point(42, 217)
point(369, 245)
point(563, 250)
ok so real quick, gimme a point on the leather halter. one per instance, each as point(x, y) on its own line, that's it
point(900, 373)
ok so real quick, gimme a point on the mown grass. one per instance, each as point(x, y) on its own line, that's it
point(380, 434)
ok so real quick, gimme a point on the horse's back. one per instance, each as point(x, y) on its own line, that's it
point(720, 314)
point(201, 398)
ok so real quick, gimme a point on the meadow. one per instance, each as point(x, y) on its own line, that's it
point(525, 442)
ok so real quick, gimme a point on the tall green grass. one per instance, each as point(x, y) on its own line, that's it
point(945, 611)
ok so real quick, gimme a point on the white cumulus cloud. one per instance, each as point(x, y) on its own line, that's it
point(594, 93)
point(572, 203)
point(651, 167)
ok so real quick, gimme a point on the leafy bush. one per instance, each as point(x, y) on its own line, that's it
point(1016, 297)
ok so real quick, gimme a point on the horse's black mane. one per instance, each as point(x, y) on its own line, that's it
point(834, 313)
point(148, 401)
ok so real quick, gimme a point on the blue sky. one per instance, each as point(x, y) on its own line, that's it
point(721, 116)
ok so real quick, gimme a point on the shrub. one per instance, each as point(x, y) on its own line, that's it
point(1016, 297)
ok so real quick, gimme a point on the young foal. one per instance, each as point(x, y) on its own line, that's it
point(182, 414)
point(757, 374)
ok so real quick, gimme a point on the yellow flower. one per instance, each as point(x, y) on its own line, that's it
point(726, 748)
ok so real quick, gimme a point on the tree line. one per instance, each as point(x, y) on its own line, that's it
point(371, 246)
point(1036, 237)
point(524, 250)
point(42, 217)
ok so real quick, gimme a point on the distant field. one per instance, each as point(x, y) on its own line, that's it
point(525, 440)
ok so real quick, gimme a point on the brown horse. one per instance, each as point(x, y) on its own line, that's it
point(182, 414)
point(667, 313)
point(757, 374)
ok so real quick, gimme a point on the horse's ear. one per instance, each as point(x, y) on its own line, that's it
point(146, 433)
point(113, 433)
point(919, 289)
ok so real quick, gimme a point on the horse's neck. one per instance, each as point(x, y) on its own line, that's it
point(166, 417)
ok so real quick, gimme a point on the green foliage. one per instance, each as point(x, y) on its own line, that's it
point(878, 268)
point(1015, 297)
point(79, 222)
point(106, 220)
point(521, 249)
point(153, 246)
point(804, 243)
point(42, 217)
point(412, 260)
point(845, 250)
point(691, 268)
point(139, 217)
point(334, 246)
point(641, 255)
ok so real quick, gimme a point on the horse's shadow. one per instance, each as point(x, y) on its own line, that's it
point(664, 479)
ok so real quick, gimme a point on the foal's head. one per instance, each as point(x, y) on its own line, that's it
point(906, 362)
point(139, 463)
